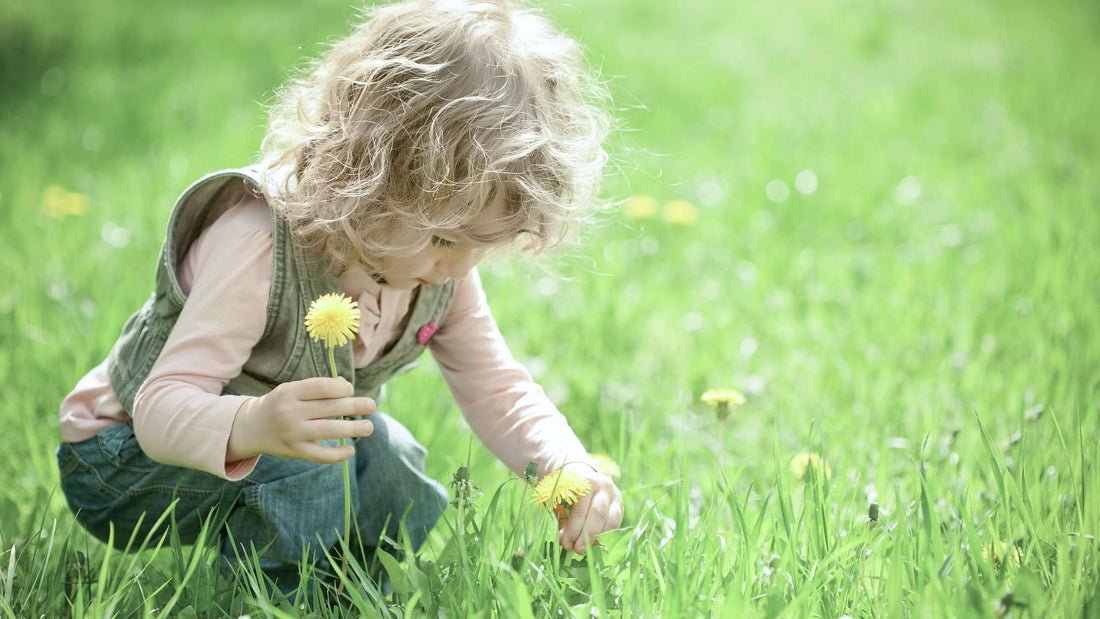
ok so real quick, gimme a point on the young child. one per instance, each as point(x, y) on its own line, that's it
point(435, 133)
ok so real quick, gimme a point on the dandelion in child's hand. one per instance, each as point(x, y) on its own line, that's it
point(562, 487)
point(722, 399)
point(803, 462)
point(606, 465)
point(333, 319)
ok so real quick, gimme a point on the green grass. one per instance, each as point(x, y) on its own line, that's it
point(934, 338)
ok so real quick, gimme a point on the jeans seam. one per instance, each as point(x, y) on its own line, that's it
point(69, 469)
point(169, 490)
point(132, 469)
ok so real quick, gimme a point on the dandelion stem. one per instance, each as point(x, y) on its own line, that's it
point(334, 319)
point(347, 484)
point(722, 447)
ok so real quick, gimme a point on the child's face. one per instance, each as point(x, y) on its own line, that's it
point(447, 258)
point(450, 256)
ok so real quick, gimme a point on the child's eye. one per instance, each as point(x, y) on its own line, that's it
point(442, 242)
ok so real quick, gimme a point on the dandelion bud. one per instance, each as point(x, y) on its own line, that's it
point(531, 475)
point(464, 489)
point(518, 559)
point(872, 515)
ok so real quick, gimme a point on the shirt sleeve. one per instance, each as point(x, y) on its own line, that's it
point(180, 418)
point(508, 411)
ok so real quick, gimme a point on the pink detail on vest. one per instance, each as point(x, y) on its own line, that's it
point(426, 332)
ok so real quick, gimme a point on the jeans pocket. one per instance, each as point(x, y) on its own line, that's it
point(111, 485)
point(83, 472)
point(120, 447)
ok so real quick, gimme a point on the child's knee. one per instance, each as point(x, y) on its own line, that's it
point(297, 511)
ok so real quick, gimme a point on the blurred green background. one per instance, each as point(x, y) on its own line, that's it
point(897, 222)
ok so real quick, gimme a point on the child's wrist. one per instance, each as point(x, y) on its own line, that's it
point(237, 445)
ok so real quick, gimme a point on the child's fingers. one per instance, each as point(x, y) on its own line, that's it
point(563, 515)
point(320, 388)
point(593, 514)
point(317, 398)
point(324, 455)
point(615, 520)
point(339, 428)
point(329, 397)
point(585, 518)
point(337, 407)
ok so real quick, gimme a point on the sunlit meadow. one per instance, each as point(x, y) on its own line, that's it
point(878, 221)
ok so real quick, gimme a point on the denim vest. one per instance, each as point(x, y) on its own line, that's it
point(284, 352)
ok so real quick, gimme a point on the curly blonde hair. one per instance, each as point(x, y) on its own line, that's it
point(426, 113)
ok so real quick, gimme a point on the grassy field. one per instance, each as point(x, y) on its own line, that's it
point(894, 256)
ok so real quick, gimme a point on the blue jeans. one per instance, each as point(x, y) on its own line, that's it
point(285, 509)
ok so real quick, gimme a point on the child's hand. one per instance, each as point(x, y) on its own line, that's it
point(601, 509)
point(290, 420)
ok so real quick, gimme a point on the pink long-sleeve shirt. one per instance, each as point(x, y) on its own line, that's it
point(181, 419)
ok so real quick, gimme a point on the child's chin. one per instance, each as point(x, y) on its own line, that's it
point(403, 284)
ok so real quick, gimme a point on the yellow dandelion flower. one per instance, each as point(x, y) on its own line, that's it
point(562, 487)
point(332, 318)
point(722, 399)
point(722, 396)
point(76, 204)
point(804, 461)
point(1001, 554)
point(58, 203)
point(681, 213)
point(53, 200)
point(606, 465)
point(640, 207)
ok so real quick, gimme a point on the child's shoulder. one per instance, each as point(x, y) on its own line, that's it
point(240, 210)
point(236, 233)
point(250, 215)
